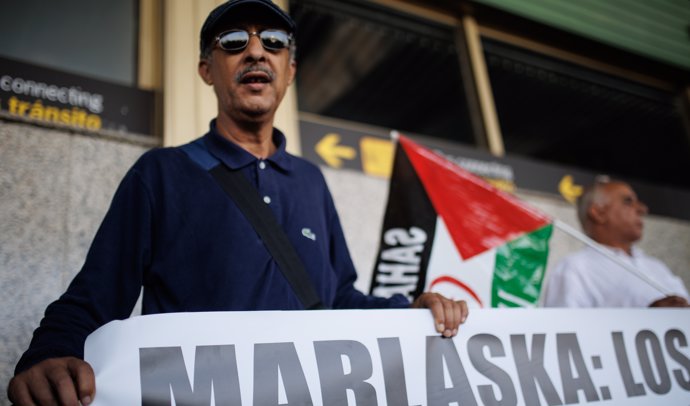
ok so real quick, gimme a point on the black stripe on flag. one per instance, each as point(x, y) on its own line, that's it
point(407, 235)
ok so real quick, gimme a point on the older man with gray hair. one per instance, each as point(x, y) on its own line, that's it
point(612, 215)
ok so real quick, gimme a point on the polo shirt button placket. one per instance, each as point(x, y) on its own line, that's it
point(262, 166)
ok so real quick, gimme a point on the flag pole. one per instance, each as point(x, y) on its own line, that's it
point(600, 249)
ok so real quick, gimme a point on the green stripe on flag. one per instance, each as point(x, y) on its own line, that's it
point(520, 269)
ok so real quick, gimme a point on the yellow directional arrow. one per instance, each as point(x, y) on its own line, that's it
point(568, 189)
point(329, 150)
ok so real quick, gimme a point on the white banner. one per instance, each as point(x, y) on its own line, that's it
point(395, 358)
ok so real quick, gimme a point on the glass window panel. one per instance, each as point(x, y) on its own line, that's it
point(95, 38)
point(569, 114)
point(366, 63)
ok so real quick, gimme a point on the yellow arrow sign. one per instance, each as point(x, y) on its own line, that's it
point(569, 190)
point(332, 153)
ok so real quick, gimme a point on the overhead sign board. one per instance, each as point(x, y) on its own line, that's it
point(339, 145)
point(59, 98)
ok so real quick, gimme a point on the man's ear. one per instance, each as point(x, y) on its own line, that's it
point(597, 213)
point(205, 71)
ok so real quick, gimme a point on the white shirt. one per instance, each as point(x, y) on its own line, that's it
point(589, 279)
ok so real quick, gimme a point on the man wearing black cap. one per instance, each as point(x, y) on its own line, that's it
point(173, 230)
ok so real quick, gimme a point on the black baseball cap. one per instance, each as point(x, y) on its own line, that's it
point(264, 11)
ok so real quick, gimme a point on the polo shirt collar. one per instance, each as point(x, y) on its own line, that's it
point(236, 157)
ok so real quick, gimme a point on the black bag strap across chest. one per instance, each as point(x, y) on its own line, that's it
point(247, 199)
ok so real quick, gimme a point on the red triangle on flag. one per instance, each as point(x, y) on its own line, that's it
point(478, 216)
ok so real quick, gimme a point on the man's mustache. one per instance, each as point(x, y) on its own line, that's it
point(255, 68)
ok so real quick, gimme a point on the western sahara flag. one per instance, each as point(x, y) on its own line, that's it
point(448, 231)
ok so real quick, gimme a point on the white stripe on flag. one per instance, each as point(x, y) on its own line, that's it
point(457, 279)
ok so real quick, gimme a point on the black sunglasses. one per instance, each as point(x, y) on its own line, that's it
point(237, 40)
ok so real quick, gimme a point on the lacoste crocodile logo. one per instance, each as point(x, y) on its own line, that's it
point(309, 234)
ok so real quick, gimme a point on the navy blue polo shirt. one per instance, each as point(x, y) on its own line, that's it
point(173, 230)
